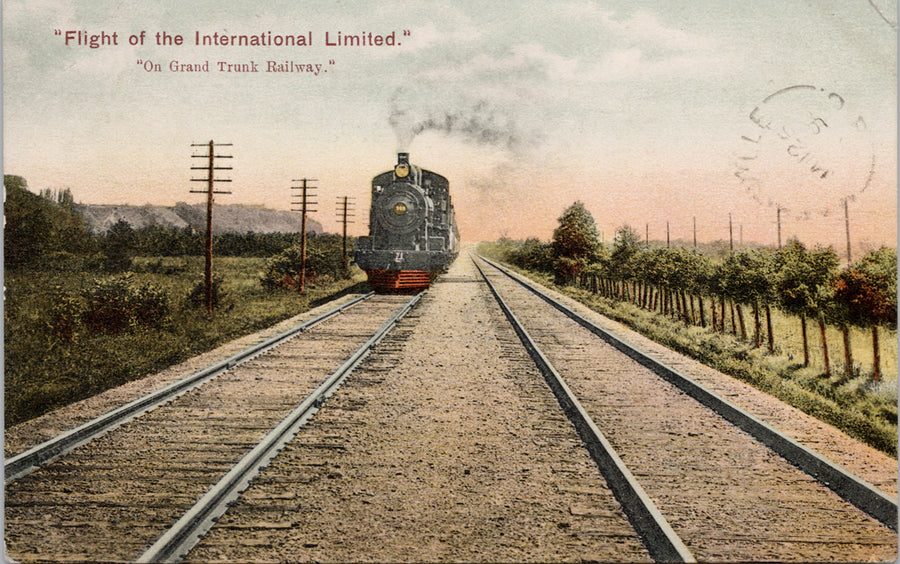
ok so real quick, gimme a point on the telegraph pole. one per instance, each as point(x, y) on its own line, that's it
point(304, 209)
point(210, 190)
point(730, 234)
point(344, 212)
point(695, 231)
point(847, 229)
point(667, 234)
point(778, 221)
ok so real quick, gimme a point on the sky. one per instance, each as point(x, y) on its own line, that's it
point(652, 113)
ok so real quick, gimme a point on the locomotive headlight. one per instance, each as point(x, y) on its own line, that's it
point(401, 170)
point(399, 208)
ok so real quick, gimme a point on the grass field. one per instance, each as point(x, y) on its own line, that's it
point(43, 372)
point(789, 344)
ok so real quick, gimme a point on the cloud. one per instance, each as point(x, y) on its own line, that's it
point(640, 28)
point(429, 36)
point(29, 43)
point(644, 28)
point(527, 63)
point(638, 46)
point(635, 64)
point(511, 98)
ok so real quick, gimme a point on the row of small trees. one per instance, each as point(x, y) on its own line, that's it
point(156, 240)
point(713, 292)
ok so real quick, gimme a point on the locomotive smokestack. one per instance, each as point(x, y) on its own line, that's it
point(403, 158)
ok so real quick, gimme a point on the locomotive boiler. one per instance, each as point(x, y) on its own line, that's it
point(412, 229)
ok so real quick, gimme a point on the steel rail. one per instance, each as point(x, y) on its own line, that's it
point(176, 542)
point(853, 489)
point(658, 537)
point(33, 458)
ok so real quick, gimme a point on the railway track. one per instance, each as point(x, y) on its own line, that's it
point(107, 489)
point(661, 541)
point(725, 494)
point(446, 444)
point(25, 462)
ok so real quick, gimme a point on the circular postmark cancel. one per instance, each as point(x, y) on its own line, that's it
point(887, 9)
point(805, 152)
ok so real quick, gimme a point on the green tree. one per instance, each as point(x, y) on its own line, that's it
point(722, 286)
point(626, 245)
point(866, 293)
point(38, 227)
point(576, 236)
point(880, 269)
point(66, 199)
point(28, 229)
point(653, 268)
point(118, 246)
point(799, 280)
point(745, 279)
point(576, 242)
point(701, 281)
point(693, 273)
point(826, 262)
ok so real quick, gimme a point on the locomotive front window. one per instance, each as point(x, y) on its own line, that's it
point(399, 208)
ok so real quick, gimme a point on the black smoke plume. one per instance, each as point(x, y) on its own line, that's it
point(474, 119)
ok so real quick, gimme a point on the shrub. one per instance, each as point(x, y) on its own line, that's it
point(117, 303)
point(323, 259)
point(168, 266)
point(197, 296)
point(63, 261)
point(531, 254)
point(282, 270)
point(66, 313)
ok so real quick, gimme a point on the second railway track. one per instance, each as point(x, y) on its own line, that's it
point(110, 498)
point(726, 495)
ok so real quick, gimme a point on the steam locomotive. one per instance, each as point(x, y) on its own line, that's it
point(412, 229)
